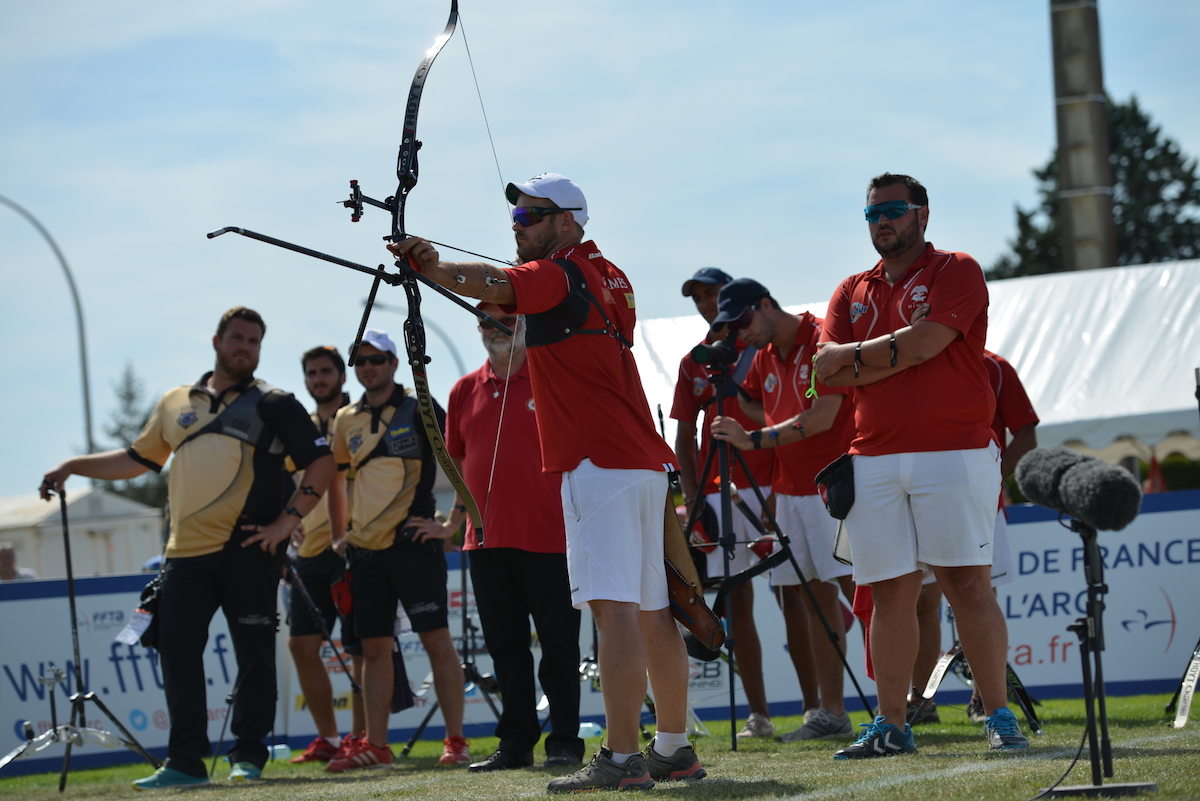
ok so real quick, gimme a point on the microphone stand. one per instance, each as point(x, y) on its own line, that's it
point(1090, 630)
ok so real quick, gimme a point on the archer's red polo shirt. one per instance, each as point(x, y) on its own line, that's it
point(694, 393)
point(521, 506)
point(781, 383)
point(943, 404)
point(589, 395)
point(1014, 410)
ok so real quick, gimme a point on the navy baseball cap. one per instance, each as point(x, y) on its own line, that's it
point(736, 297)
point(713, 276)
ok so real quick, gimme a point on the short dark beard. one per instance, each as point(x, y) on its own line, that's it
point(334, 393)
point(236, 373)
point(532, 249)
point(906, 239)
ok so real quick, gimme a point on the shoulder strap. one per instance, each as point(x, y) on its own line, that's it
point(239, 419)
point(400, 436)
point(564, 320)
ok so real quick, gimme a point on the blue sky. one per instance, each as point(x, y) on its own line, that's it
point(703, 133)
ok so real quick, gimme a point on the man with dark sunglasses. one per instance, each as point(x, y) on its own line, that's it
point(926, 462)
point(491, 433)
point(226, 436)
point(597, 434)
point(382, 440)
point(694, 394)
point(810, 424)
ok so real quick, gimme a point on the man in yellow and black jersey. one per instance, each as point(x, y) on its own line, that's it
point(228, 433)
point(318, 566)
point(382, 440)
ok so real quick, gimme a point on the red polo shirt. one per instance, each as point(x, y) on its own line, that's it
point(943, 404)
point(589, 395)
point(1014, 410)
point(521, 506)
point(781, 382)
point(693, 394)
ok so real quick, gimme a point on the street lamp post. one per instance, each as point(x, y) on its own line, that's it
point(83, 365)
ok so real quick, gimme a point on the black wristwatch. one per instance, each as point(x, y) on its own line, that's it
point(756, 438)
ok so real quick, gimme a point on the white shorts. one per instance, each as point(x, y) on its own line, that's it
point(1002, 563)
point(1003, 570)
point(810, 531)
point(614, 522)
point(744, 533)
point(913, 510)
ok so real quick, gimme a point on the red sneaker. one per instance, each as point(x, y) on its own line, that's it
point(319, 750)
point(347, 743)
point(361, 754)
point(456, 751)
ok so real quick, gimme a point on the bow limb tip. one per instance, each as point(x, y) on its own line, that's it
point(224, 230)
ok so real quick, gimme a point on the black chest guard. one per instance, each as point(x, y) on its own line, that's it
point(567, 318)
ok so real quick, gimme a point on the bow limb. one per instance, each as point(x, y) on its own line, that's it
point(414, 327)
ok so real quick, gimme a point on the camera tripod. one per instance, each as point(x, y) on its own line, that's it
point(719, 366)
point(73, 732)
point(486, 682)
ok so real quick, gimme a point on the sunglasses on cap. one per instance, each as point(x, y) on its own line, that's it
point(893, 210)
point(526, 216)
point(508, 322)
point(376, 359)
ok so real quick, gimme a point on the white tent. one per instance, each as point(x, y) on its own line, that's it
point(109, 533)
point(1108, 357)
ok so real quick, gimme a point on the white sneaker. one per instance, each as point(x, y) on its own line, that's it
point(821, 726)
point(757, 726)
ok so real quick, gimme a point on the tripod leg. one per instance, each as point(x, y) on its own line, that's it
point(420, 730)
point(130, 741)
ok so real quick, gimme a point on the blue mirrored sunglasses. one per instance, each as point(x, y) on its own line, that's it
point(893, 210)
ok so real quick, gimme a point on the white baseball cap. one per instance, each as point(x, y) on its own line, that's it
point(555, 187)
point(379, 340)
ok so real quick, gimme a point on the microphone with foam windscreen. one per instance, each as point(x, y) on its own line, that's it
point(1094, 492)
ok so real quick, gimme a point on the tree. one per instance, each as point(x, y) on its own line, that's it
point(1156, 202)
point(125, 423)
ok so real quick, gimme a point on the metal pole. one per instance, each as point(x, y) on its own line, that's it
point(83, 368)
point(458, 362)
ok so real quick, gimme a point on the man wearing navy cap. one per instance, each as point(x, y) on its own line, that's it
point(694, 393)
point(810, 432)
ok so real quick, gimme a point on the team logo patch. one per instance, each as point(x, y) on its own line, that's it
point(699, 385)
point(629, 300)
point(857, 310)
point(771, 382)
point(395, 433)
point(920, 294)
point(355, 443)
point(608, 298)
point(529, 404)
point(187, 417)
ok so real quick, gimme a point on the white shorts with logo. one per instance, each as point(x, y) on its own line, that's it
point(614, 522)
point(1002, 561)
point(744, 533)
point(913, 510)
point(811, 532)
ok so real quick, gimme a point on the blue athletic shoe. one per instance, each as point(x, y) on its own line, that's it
point(1003, 732)
point(879, 738)
point(166, 777)
point(244, 771)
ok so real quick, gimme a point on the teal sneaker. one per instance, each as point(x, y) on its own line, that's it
point(879, 738)
point(1003, 732)
point(166, 777)
point(244, 771)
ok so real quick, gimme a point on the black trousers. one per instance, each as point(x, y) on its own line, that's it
point(243, 582)
point(511, 586)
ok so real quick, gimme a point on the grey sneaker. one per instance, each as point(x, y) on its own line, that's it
point(683, 764)
point(1003, 732)
point(604, 774)
point(821, 726)
point(757, 726)
point(975, 711)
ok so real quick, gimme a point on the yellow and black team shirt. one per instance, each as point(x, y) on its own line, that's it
point(219, 482)
point(316, 522)
point(387, 488)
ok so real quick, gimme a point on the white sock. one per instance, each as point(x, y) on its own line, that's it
point(666, 743)
point(621, 759)
point(336, 742)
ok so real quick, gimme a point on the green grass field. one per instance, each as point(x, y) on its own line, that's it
point(953, 763)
